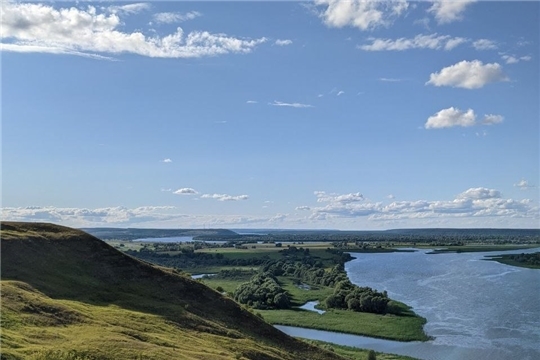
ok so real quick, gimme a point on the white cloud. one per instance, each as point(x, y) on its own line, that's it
point(175, 17)
point(340, 93)
point(224, 197)
point(302, 208)
point(364, 15)
point(524, 185)
point(129, 8)
point(432, 41)
point(346, 198)
point(468, 75)
point(82, 217)
point(185, 191)
point(480, 193)
point(390, 79)
point(513, 59)
point(451, 117)
point(484, 44)
point(491, 119)
point(166, 160)
point(449, 11)
point(474, 202)
point(455, 117)
point(295, 105)
point(283, 42)
point(251, 102)
point(391, 197)
point(29, 27)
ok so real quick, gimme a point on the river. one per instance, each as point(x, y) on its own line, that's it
point(475, 309)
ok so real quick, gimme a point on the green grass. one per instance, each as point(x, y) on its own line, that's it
point(67, 295)
point(405, 327)
point(391, 327)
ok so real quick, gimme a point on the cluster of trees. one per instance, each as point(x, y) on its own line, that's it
point(262, 292)
point(308, 271)
point(349, 296)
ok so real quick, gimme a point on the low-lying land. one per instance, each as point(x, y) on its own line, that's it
point(297, 270)
point(531, 261)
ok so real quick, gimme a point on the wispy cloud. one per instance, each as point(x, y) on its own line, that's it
point(251, 102)
point(432, 41)
point(283, 42)
point(294, 105)
point(453, 117)
point(129, 8)
point(468, 75)
point(340, 93)
point(485, 44)
point(175, 17)
point(449, 11)
point(513, 59)
point(225, 197)
point(390, 79)
point(167, 160)
point(29, 27)
point(524, 185)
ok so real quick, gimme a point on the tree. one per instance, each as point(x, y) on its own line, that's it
point(372, 355)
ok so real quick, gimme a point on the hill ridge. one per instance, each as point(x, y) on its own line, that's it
point(63, 271)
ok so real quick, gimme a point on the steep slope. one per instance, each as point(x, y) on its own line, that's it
point(68, 295)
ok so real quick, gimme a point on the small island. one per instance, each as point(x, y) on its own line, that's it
point(531, 261)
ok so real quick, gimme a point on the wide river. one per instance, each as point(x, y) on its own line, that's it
point(475, 309)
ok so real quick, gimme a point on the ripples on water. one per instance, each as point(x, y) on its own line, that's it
point(475, 309)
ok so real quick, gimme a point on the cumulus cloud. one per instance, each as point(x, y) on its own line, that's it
point(185, 191)
point(294, 105)
point(175, 17)
point(446, 11)
point(480, 193)
point(484, 44)
point(225, 197)
point(468, 75)
point(283, 42)
point(451, 117)
point(166, 160)
point(29, 27)
point(303, 208)
point(322, 196)
point(455, 117)
point(474, 202)
point(432, 41)
point(362, 14)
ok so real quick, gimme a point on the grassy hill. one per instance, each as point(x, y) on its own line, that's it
point(68, 295)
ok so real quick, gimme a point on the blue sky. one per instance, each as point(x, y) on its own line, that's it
point(325, 114)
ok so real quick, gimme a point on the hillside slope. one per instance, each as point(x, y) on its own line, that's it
point(69, 295)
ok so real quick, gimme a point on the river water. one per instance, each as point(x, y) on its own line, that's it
point(475, 309)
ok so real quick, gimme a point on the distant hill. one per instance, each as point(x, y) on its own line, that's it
point(134, 233)
point(68, 295)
